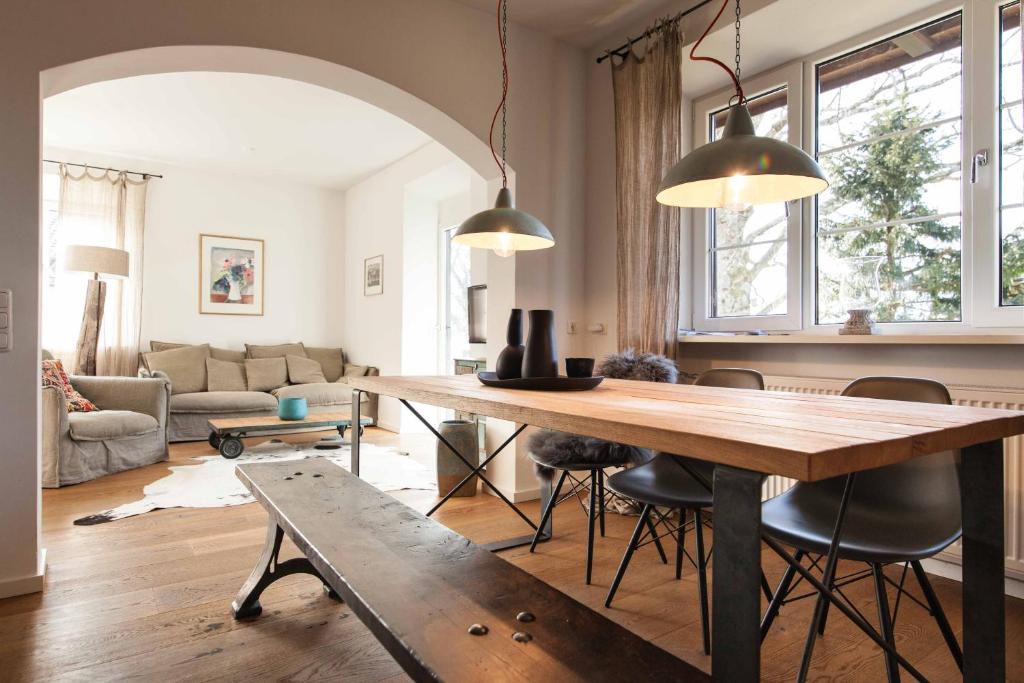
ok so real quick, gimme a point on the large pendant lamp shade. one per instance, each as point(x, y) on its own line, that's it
point(741, 168)
point(505, 229)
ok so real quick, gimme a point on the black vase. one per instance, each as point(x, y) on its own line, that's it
point(541, 357)
point(510, 360)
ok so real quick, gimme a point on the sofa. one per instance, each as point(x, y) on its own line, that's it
point(129, 430)
point(208, 382)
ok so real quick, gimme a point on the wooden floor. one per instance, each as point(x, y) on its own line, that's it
point(148, 597)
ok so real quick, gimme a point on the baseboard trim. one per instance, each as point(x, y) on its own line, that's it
point(1013, 586)
point(515, 496)
point(26, 584)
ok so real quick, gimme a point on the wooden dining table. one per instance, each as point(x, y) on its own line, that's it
point(751, 434)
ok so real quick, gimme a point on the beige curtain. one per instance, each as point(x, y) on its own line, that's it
point(648, 101)
point(104, 209)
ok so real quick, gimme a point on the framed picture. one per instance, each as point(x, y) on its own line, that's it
point(476, 302)
point(373, 276)
point(231, 275)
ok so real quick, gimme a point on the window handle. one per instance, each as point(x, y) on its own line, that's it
point(980, 158)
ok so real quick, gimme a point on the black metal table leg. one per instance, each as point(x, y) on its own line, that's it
point(981, 500)
point(268, 570)
point(357, 433)
point(545, 528)
point(735, 632)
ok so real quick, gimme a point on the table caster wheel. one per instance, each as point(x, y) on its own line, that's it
point(214, 440)
point(231, 447)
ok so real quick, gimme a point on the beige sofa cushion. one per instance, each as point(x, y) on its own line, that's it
point(104, 425)
point(215, 352)
point(324, 394)
point(222, 375)
point(275, 351)
point(304, 370)
point(185, 366)
point(223, 402)
point(332, 361)
point(266, 374)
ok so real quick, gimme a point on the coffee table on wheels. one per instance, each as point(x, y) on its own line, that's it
point(226, 433)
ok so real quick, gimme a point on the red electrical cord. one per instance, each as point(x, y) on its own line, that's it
point(695, 58)
point(504, 97)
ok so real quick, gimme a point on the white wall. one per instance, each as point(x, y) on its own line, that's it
point(300, 225)
point(392, 214)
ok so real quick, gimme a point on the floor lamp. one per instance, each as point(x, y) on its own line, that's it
point(100, 261)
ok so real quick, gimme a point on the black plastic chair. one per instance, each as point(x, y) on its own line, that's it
point(569, 454)
point(677, 483)
point(896, 514)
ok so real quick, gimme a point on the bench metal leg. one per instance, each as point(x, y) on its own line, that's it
point(357, 397)
point(268, 570)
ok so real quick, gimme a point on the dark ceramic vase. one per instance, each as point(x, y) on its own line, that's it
point(510, 360)
point(541, 357)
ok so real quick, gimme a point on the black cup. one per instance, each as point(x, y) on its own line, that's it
point(579, 367)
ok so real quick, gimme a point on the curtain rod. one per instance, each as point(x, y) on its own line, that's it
point(102, 168)
point(618, 52)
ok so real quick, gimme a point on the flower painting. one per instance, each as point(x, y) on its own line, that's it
point(231, 275)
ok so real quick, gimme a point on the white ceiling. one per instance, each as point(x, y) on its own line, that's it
point(256, 125)
point(580, 22)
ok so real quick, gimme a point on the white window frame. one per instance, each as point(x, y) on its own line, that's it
point(980, 244)
point(791, 77)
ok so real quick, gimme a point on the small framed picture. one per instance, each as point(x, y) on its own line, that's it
point(373, 276)
point(231, 275)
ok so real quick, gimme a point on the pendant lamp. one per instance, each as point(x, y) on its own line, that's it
point(504, 228)
point(741, 168)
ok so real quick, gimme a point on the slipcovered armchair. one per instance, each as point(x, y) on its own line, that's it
point(129, 430)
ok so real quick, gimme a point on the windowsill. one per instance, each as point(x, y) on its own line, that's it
point(836, 338)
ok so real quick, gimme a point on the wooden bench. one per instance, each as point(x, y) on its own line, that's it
point(419, 586)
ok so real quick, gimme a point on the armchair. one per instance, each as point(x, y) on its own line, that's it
point(129, 430)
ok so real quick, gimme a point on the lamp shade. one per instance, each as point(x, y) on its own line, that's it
point(112, 263)
point(504, 229)
point(740, 169)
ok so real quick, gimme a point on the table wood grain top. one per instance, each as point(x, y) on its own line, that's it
point(806, 437)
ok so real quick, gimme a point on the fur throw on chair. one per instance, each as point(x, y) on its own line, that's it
point(646, 367)
point(554, 450)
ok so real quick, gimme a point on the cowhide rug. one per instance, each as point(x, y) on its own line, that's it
point(212, 483)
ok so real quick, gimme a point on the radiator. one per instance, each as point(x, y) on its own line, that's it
point(1013, 462)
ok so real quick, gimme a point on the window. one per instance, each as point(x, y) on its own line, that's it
point(1011, 159)
point(748, 244)
point(920, 131)
point(889, 139)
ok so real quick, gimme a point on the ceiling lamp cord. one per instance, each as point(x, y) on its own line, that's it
point(695, 58)
point(503, 104)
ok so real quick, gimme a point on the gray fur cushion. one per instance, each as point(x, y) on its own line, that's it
point(556, 450)
point(647, 367)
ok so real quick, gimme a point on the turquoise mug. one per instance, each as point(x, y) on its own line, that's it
point(292, 408)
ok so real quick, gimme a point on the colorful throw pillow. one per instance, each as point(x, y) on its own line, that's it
point(54, 376)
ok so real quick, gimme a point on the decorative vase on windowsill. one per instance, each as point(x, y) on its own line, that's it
point(860, 291)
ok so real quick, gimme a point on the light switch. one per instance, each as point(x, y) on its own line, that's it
point(4, 318)
point(5, 344)
point(5, 298)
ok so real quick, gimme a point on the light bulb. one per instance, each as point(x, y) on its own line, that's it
point(734, 189)
point(506, 246)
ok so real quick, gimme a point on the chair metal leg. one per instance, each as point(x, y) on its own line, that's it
point(702, 583)
point(780, 595)
point(680, 543)
point(548, 510)
point(827, 579)
point(657, 541)
point(892, 669)
point(591, 515)
point(628, 555)
point(600, 498)
point(938, 613)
